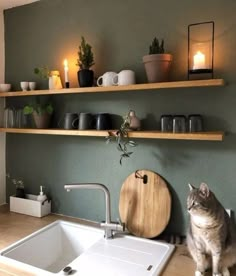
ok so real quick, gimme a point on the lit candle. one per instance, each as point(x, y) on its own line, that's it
point(199, 61)
point(66, 68)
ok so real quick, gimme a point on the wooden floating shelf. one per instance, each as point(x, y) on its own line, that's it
point(134, 87)
point(207, 136)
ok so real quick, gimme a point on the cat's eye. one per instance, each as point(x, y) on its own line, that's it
point(195, 203)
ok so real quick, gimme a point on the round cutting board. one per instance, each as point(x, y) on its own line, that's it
point(145, 204)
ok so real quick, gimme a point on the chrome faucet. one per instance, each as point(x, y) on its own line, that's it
point(108, 226)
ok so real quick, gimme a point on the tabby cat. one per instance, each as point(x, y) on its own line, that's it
point(211, 236)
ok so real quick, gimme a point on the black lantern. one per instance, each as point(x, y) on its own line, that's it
point(201, 49)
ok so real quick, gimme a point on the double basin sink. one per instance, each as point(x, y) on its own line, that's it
point(66, 248)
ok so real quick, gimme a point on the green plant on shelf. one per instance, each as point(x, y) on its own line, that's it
point(86, 58)
point(43, 72)
point(39, 108)
point(156, 47)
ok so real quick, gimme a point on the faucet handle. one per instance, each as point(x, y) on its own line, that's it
point(121, 223)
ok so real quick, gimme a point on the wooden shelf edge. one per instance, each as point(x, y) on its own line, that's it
point(134, 87)
point(207, 136)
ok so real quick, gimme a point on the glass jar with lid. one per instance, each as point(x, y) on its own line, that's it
point(179, 123)
point(54, 80)
point(195, 123)
point(167, 123)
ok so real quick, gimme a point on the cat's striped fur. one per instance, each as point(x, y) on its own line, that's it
point(211, 236)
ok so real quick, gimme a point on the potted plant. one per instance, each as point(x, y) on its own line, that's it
point(54, 80)
point(19, 184)
point(122, 139)
point(85, 61)
point(157, 63)
point(41, 114)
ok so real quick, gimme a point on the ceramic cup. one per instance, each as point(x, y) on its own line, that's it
point(125, 77)
point(24, 85)
point(103, 121)
point(70, 121)
point(85, 121)
point(106, 79)
point(32, 85)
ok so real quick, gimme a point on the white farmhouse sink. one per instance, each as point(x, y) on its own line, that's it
point(61, 244)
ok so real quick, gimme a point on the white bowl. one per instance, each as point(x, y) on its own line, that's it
point(5, 87)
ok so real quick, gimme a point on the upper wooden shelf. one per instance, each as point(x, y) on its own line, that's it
point(207, 136)
point(145, 86)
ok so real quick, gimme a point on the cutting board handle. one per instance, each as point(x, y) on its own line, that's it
point(144, 177)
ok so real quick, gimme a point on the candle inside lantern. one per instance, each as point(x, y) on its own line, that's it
point(199, 61)
point(66, 68)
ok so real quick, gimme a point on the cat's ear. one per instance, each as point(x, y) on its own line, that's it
point(191, 187)
point(204, 190)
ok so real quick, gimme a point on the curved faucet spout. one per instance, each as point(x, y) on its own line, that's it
point(94, 186)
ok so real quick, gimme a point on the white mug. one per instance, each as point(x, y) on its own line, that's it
point(125, 77)
point(106, 79)
point(32, 85)
point(24, 85)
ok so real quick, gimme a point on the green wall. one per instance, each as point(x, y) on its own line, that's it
point(46, 32)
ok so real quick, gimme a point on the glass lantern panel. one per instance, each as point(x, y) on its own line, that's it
point(200, 48)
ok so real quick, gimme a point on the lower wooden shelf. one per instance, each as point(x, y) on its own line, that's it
point(207, 136)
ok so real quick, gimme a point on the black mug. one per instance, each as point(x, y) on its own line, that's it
point(70, 121)
point(85, 121)
point(103, 121)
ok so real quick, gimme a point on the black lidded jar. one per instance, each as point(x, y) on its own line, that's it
point(167, 123)
point(179, 124)
point(195, 123)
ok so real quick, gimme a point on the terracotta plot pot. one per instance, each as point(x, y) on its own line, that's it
point(42, 120)
point(157, 67)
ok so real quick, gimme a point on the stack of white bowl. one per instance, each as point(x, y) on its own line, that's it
point(5, 87)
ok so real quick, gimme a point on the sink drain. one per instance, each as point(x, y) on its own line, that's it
point(67, 270)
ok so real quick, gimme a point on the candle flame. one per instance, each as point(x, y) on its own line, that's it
point(65, 62)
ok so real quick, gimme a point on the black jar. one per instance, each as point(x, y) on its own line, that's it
point(195, 123)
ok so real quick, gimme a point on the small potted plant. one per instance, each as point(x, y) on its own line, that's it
point(19, 184)
point(122, 139)
point(41, 114)
point(85, 62)
point(157, 63)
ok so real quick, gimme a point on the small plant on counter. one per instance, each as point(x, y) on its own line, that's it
point(122, 139)
point(156, 47)
point(86, 59)
point(19, 184)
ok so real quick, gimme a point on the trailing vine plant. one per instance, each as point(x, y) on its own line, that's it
point(122, 139)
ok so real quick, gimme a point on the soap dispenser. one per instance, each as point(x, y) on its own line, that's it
point(41, 197)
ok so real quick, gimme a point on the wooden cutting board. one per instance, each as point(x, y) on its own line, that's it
point(145, 203)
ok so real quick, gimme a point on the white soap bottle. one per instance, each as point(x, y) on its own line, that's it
point(41, 197)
